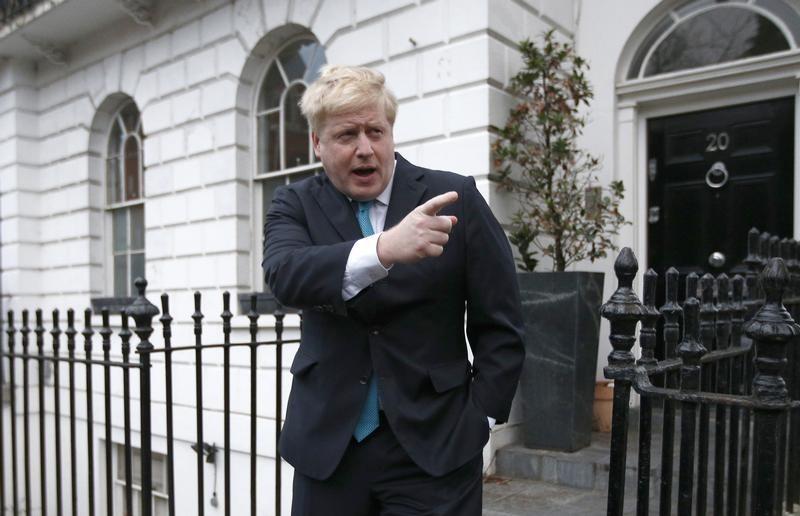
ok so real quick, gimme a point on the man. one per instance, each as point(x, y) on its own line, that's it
point(386, 414)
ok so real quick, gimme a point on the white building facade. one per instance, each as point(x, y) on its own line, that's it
point(146, 138)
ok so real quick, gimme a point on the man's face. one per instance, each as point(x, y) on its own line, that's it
point(357, 151)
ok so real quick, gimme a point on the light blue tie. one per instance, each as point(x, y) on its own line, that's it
point(368, 420)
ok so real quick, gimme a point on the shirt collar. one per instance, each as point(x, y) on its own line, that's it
point(386, 194)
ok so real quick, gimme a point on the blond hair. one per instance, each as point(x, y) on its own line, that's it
point(346, 89)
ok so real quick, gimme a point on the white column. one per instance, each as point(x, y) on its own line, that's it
point(627, 158)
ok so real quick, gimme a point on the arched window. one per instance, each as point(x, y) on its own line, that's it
point(283, 137)
point(125, 198)
point(703, 32)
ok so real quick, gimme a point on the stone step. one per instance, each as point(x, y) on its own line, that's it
point(584, 469)
point(588, 468)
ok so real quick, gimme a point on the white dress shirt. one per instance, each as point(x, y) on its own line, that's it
point(363, 266)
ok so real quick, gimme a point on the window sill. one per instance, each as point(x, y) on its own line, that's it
point(265, 304)
point(115, 305)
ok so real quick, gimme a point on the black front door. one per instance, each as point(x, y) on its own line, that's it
point(712, 175)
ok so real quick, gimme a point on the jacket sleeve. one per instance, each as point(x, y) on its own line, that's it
point(300, 273)
point(494, 317)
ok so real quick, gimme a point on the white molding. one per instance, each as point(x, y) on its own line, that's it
point(703, 10)
point(783, 67)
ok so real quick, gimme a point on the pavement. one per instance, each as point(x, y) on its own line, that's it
point(518, 497)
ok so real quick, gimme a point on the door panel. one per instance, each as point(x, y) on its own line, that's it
point(712, 175)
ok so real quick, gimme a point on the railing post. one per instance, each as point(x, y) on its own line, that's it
point(166, 330)
point(12, 399)
point(723, 373)
point(754, 264)
point(105, 335)
point(690, 350)
point(771, 329)
point(87, 333)
point(736, 387)
point(252, 315)
point(623, 311)
point(25, 332)
point(39, 331)
point(279, 315)
point(647, 340)
point(672, 313)
point(774, 247)
point(70, 332)
point(793, 483)
point(56, 334)
point(226, 382)
point(143, 312)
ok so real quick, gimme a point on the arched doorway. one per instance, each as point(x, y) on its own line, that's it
point(705, 125)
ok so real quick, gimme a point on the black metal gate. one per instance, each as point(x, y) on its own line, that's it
point(28, 428)
point(736, 360)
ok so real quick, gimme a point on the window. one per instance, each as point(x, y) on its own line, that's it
point(125, 199)
point(704, 32)
point(160, 496)
point(283, 146)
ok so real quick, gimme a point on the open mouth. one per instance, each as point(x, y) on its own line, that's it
point(364, 171)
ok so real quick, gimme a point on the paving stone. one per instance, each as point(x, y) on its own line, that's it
point(516, 497)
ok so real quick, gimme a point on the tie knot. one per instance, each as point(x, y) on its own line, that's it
point(364, 205)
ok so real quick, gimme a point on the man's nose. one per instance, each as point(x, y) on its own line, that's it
point(364, 146)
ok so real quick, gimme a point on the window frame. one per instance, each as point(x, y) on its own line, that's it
point(637, 67)
point(118, 479)
point(110, 207)
point(259, 176)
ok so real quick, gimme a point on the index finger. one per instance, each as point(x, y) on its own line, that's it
point(433, 205)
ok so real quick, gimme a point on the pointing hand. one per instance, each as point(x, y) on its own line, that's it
point(422, 233)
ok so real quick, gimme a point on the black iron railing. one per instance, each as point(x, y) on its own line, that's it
point(730, 353)
point(49, 434)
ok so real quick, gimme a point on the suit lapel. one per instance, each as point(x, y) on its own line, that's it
point(337, 208)
point(407, 191)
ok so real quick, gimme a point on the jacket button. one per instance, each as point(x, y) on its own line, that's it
point(375, 332)
point(363, 380)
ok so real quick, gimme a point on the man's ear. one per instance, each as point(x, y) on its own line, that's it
point(315, 143)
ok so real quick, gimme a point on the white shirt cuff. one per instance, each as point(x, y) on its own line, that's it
point(492, 421)
point(363, 267)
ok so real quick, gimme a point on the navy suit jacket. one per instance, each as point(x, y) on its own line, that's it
point(408, 329)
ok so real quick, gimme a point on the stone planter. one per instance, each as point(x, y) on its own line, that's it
point(562, 325)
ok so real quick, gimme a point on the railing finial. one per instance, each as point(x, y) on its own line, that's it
point(142, 311)
point(771, 329)
point(623, 310)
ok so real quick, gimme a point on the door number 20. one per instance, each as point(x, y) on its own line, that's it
point(717, 142)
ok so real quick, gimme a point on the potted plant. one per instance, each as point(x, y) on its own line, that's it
point(563, 215)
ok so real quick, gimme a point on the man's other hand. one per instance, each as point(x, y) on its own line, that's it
point(422, 233)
